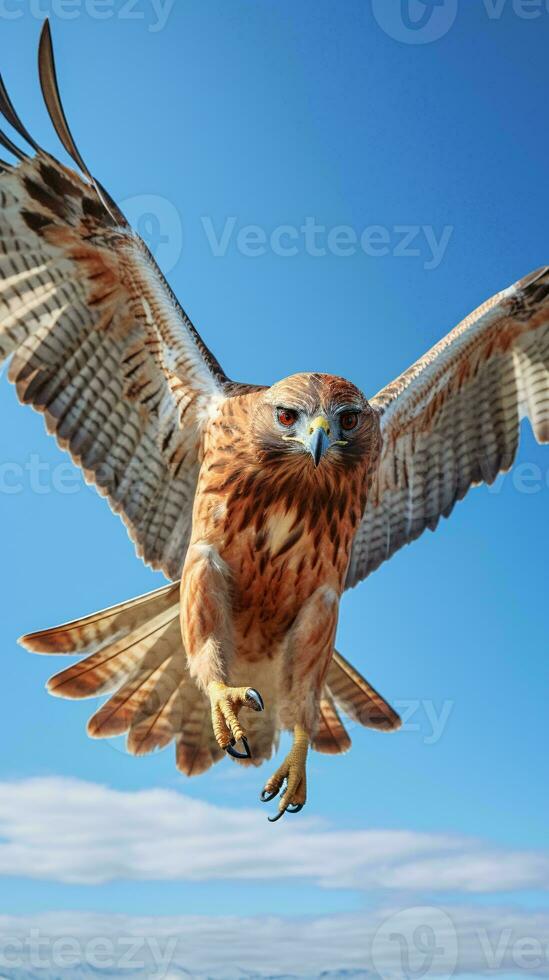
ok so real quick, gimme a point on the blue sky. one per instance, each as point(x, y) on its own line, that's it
point(213, 116)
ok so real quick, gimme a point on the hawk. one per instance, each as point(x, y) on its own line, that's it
point(261, 505)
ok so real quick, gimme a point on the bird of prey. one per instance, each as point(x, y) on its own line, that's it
point(261, 505)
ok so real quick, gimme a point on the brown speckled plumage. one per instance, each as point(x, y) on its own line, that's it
point(283, 526)
point(266, 518)
point(270, 532)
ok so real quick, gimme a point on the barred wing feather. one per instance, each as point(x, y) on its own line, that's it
point(452, 420)
point(97, 340)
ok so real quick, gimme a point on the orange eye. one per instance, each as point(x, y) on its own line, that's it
point(286, 416)
point(349, 420)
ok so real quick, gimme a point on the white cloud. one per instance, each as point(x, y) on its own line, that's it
point(76, 832)
point(384, 942)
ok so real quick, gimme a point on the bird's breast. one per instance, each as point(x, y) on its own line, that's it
point(281, 537)
point(275, 567)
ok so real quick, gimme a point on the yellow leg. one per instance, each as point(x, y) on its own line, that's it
point(226, 703)
point(293, 769)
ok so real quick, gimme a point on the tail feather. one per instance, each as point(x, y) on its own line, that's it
point(331, 737)
point(135, 654)
point(115, 662)
point(87, 634)
point(357, 698)
point(197, 748)
point(162, 714)
point(146, 683)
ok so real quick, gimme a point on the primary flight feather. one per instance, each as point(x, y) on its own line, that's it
point(262, 505)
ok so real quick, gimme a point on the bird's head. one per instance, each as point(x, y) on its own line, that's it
point(319, 420)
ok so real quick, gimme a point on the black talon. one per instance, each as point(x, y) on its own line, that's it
point(267, 797)
point(278, 816)
point(291, 808)
point(235, 753)
point(255, 700)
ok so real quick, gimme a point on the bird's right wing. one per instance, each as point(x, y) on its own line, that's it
point(98, 342)
point(452, 420)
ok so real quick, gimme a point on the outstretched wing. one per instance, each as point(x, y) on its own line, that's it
point(99, 343)
point(452, 420)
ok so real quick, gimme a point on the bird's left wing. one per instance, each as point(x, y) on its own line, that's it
point(98, 342)
point(452, 420)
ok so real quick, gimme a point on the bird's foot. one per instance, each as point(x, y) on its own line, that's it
point(226, 703)
point(293, 770)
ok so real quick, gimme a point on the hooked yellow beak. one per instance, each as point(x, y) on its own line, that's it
point(319, 441)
